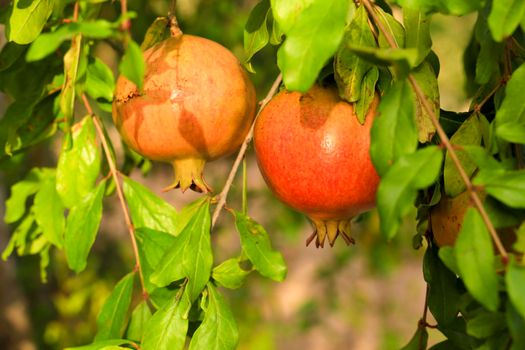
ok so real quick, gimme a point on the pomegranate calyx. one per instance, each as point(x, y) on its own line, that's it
point(188, 174)
point(331, 229)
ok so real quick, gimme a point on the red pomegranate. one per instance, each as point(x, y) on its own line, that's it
point(314, 155)
point(197, 105)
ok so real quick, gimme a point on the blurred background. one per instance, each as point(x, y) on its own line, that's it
point(365, 297)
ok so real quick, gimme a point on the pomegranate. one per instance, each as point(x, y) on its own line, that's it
point(197, 105)
point(314, 155)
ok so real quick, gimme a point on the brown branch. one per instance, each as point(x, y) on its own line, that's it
point(115, 174)
point(126, 24)
point(224, 193)
point(445, 140)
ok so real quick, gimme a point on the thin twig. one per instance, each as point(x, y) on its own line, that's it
point(445, 140)
point(224, 193)
point(126, 24)
point(115, 174)
point(75, 11)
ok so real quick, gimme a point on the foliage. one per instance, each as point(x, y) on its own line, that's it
point(475, 288)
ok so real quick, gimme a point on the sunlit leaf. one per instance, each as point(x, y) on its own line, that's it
point(230, 274)
point(256, 34)
point(506, 186)
point(515, 282)
point(157, 31)
point(138, 321)
point(15, 206)
point(417, 26)
point(97, 345)
point(49, 212)
point(510, 116)
point(71, 69)
point(453, 7)
point(132, 65)
point(505, 16)
point(27, 20)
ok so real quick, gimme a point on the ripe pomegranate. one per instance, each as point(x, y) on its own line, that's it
point(314, 155)
point(197, 105)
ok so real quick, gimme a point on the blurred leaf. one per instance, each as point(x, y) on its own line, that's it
point(508, 187)
point(15, 205)
point(97, 345)
point(417, 26)
point(100, 82)
point(510, 117)
point(49, 211)
point(27, 20)
point(515, 282)
point(132, 65)
point(445, 345)
point(230, 274)
point(368, 93)
point(453, 7)
point(312, 37)
point(469, 133)
point(519, 245)
point(474, 254)
point(397, 191)
point(481, 157)
point(157, 32)
point(456, 332)
point(258, 248)
point(486, 324)
point(166, 329)
point(10, 53)
point(419, 340)
point(487, 63)
point(218, 330)
point(516, 324)
point(393, 28)
point(427, 80)
point(443, 293)
point(138, 322)
point(112, 317)
point(349, 68)
point(394, 132)
point(71, 69)
point(79, 165)
point(82, 227)
point(446, 254)
point(505, 17)
point(190, 256)
point(401, 60)
point(25, 229)
point(256, 34)
point(276, 34)
point(149, 210)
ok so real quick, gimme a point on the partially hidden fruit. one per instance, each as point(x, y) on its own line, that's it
point(197, 105)
point(314, 155)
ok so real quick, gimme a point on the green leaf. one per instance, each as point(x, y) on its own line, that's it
point(153, 244)
point(395, 29)
point(475, 258)
point(401, 60)
point(516, 324)
point(19, 238)
point(190, 256)
point(166, 329)
point(486, 324)
point(510, 117)
point(9, 55)
point(276, 34)
point(445, 345)
point(394, 132)
point(82, 227)
point(519, 245)
point(27, 20)
point(506, 186)
point(97, 345)
point(456, 332)
point(417, 26)
point(505, 16)
point(149, 210)
point(138, 322)
point(218, 330)
point(20, 191)
point(258, 248)
point(78, 165)
point(368, 92)
point(100, 82)
point(312, 37)
point(515, 281)
point(397, 191)
point(427, 80)
point(112, 317)
point(230, 274)
point(71, 68)
point(157, 32)
point(132, 65)
point(49, 211)
point(256, 34)
point(446, 254)
point(487, 63)
point(443, 294)
point(469, 133)
point(419, 340)
point(453, 7)
point(351, 69)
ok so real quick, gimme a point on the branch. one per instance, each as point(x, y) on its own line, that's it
point(445, 140)
point(224, 193)
point(115, 174)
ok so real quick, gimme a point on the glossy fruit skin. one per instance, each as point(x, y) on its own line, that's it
point(314, 155)
point(197, 104)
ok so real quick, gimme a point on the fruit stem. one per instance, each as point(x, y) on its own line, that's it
point(174, 24)
point(188, 174)
point(444, 139)
point(231, 176)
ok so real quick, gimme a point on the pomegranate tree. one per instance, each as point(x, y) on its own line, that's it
point(197, 105)
point(314, 155)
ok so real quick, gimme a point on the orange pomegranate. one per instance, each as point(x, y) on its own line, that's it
point(197, 105)
point(314, 155)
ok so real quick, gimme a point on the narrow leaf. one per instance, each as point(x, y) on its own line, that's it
point(138, 322)
point(157, 31)
point(20, 191)
point(71, 70)
point(510, 116)
point(132, 65)
point(82, 227)
point(230, 274)
point(475, 258)
point(427, 80)
point(112, 317)
point(256, 244)
point(49, 212)
point(256, 34)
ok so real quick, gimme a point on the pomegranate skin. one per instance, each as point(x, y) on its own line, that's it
point(197, 105)
point(314, 155)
